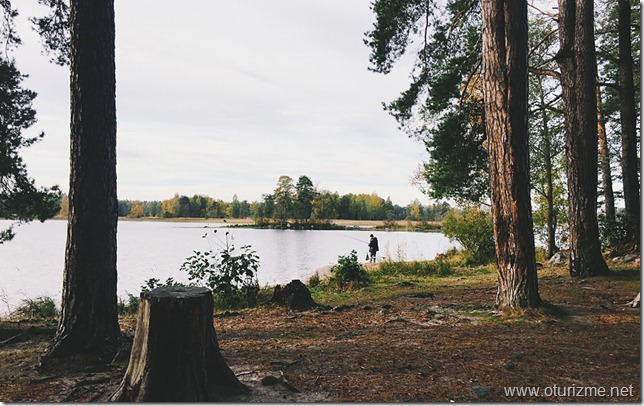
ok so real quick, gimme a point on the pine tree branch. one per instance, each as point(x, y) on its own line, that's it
point(545, 72)
point(545, 37)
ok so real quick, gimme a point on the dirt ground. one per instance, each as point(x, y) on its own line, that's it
point(416, 343)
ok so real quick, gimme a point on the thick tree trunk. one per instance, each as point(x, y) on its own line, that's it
point(89, 319)
point(628, 120)
point(175, 356)
point(505, 88)
point(604, 162)
point(577, 61)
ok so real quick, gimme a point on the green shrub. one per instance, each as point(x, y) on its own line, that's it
point(474, 230)
point(348, 273)
point(314, 280)
point(42, 307)
point(230, 274)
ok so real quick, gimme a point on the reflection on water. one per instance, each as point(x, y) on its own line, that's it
point(32, 263)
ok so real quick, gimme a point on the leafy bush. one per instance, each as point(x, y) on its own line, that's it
point(42, 307)
point(474, 230)
point(348, 272)
point(231, 275)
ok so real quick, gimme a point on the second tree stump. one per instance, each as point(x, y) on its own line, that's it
point(295, 296)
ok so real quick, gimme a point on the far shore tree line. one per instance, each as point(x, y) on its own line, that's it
point(299, 201)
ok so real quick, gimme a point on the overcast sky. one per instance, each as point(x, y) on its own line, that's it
point(222, 97)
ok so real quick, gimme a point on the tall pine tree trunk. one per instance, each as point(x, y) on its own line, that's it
point(505, 89)
point(551, 221)
point(628, 120)
point(604, 162)
point(89, 319)
point(577, 61)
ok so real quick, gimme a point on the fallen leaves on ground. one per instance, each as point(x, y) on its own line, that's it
point(445, 345)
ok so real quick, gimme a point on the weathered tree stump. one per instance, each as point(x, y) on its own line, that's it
point(175, 356)
point(295, 296)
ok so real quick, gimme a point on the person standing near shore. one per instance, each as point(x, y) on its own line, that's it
point(373, 248)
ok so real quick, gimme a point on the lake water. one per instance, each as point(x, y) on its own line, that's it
point(31, 265)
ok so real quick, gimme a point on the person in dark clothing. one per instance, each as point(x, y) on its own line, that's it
point(373, 248)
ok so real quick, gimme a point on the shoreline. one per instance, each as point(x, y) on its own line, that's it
point(332, 224)
point(250, 221)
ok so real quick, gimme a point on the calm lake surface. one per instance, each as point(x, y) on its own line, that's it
point(31, 265)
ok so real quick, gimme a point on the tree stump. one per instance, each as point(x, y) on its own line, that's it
point(295, 296)
point(175, 356)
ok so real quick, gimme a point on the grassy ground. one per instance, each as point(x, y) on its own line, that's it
point(404, 337)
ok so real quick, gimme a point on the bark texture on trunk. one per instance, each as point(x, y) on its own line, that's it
point(628, 120)
point(89, 319)
point(604, 162)
point(505, 75)
point(175, 356)
point(577, 61)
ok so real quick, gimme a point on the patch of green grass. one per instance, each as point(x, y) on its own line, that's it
point(374, 291)
point(482, 315)
point(472, 272)
point(413, 268)
point(547, 312)
point(322, 294)
point(392, 279)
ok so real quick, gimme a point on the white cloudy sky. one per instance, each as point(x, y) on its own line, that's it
point(221, 97)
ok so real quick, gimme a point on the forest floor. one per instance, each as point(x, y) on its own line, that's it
point(435, 339)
